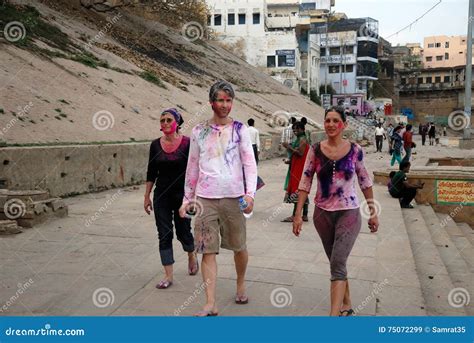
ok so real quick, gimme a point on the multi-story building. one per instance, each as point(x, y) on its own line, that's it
point(272, 35)
point(348, 53)
point(444, 51)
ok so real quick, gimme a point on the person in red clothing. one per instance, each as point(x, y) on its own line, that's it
point(298, 149)
point(408, 143)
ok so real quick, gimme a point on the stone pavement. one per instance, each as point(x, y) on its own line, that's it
point(103, 260)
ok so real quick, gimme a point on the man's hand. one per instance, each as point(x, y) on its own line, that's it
point(147, 204)
point(285, 145)
point(297, 225)
point(249, 201)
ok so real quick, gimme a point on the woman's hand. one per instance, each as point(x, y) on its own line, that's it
point(374, 223)
point(182, 210)
point(147, 204)
point(297, 225)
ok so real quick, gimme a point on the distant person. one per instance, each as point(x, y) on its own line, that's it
point(396, 148)
point(408, 143)
point(401, 188)
point(287, 133)
point(298, 150)
point(423, 133)
point(432, 133)
point(304, 121)
point(389, 134)
point(445, 133)
point(166, 169)
point(379, 137)
point(254, 138)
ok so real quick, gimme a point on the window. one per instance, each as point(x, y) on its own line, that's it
point(217, 20)
point(231, 19)
point(438, 45)
point(256, 18)
point(335, 51)
point(349, 68)
point(446, 45)
point(437, 79)
point(447, 79)
point(439, 58)
point(429, 58)
point(282, 60)
point(271, 62)
point(403, 81)
point(456, 77)
point(429, 79)
point(333, 69)
point(322, 52)
point(446, 56)
point(420, 80)
point(241, 18)
point(431, 45)
point(348, 49)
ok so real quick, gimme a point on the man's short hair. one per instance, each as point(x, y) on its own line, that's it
point(292, 120)
point(250, 122)
point(221, 86)
point(404, 164)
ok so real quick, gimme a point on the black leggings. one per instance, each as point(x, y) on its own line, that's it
point(166, 208)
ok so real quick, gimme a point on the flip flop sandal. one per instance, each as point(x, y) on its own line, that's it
point(206, 313)
point(241, 299)
point(348, 312)
point(193, 269)
point(164, 284)
point(305, 218)
point(287, 220)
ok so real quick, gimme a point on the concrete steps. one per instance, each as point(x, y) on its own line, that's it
point(401, 293)
point(431, 250)
point(453, 250)
point(468, 232)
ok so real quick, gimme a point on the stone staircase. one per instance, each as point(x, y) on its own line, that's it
point(27, 208)
point(444, 257)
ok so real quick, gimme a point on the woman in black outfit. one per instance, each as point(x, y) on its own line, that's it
point(167, 167)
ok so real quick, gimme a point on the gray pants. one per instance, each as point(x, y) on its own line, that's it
point(338, 231)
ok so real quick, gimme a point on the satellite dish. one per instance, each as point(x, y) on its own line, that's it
point(288, 83)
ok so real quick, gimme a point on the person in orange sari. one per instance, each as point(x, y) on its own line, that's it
point(298, 150)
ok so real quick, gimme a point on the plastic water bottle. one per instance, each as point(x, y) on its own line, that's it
point(243, 205)
point(190, 212)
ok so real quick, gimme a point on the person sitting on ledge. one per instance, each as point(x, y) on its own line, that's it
point(401, 188)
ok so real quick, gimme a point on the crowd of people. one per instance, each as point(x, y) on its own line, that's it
point(212, 177)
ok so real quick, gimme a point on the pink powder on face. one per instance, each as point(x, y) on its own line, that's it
point(340, 125)
point(171, 129)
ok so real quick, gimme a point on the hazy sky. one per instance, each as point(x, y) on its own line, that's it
point(448, 18)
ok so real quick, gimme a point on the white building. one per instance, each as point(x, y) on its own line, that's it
point(272, 34)
point(348, 55)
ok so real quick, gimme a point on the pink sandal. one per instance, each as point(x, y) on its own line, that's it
point(164, 284)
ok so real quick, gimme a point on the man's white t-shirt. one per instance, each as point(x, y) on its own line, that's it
point(379, 131)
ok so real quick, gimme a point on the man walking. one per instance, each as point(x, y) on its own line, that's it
point(408, 143)
point(379, 137)
point(254, 138)
point(219, 156)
